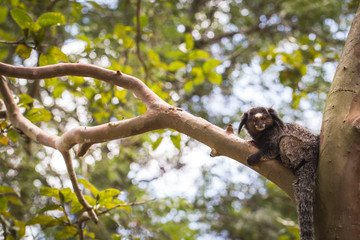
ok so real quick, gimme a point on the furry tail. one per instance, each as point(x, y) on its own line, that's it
point(304, 188)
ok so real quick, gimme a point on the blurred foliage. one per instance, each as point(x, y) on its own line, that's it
point(202, 55)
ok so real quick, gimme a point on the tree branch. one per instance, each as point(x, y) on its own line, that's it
point(159, 115)
point(37, 134)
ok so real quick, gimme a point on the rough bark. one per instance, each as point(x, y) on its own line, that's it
point(337, 201)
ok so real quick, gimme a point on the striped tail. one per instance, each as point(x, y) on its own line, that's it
point(304, 188)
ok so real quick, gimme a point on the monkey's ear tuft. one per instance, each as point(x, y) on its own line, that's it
point(244, 119)
point(275, 116)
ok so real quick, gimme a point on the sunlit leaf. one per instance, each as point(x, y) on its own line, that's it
point(89, 186)
point(25, 99)
point(156, 143)
point(75, 206)
point(50, 19)
point(3, 13)
point(4, 140)
point(210, 64)
point(58, 54)
point(6, 189)
point(40, 220)
point(198, 75)
point(143, 21)
point(50, 192)
point(176, 140)
point(189, 42)
point(13, 200)
point(154, 58)
point(106, 196)
point(50, 207)
point(38, 115)
point(198, 54)
point(22, 18)
point(215, 78)
point(176, 65)
point(23, 51)
point(20, 228)
point(68, 195)
point(70, 231)
point(121, 95)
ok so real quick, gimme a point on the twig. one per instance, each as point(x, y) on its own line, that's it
point(125, 205)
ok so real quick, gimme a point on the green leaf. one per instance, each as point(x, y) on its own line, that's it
point(154, 58)
point(40, 220)
point(4, 140)
point(62, 197)
point(20, 228)
point(68, 195)
point(58, 90)
point(121, 95)
point(198, 54)
point(58, 54)
point(107, 195)
point(75, 206)
point(50, 192)
point(25, 99)
point(5, 189)
point(156, 143)
point(215, 78)
point(51, 18)
point(22, 19)
point(89, 186)
point(23, 51)
point(210, 64)
point(143, 21)
point(13, 135)
point(14, 200)
point(198, 75)
point(38, 115)
point(176, 65)
point(176, 140)
point(188, 86)
point(50, 207)
point(3, 13)
point(70, 231)
point(189, 42)
point(3, 205)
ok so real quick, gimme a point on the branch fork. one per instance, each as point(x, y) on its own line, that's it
point(159, 115)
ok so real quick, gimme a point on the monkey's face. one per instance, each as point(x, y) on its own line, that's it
point(261, 121)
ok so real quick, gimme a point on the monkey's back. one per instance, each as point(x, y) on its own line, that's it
point(297, 146)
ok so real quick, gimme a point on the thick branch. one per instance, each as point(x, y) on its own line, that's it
point(158, 116)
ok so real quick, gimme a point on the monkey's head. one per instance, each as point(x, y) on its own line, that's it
point(258, 119)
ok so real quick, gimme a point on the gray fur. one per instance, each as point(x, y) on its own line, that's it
point(295, 147)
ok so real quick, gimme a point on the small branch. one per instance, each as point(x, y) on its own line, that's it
point(124, 205)
point(123, 80)
point(38, 135)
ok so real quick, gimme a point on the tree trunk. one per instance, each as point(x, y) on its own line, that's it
point(337, 195)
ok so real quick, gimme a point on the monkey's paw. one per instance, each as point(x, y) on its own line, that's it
point(253, 160)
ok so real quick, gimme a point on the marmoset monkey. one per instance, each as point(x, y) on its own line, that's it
point(296, 148)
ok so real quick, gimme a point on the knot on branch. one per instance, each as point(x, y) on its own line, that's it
point(230, 129)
